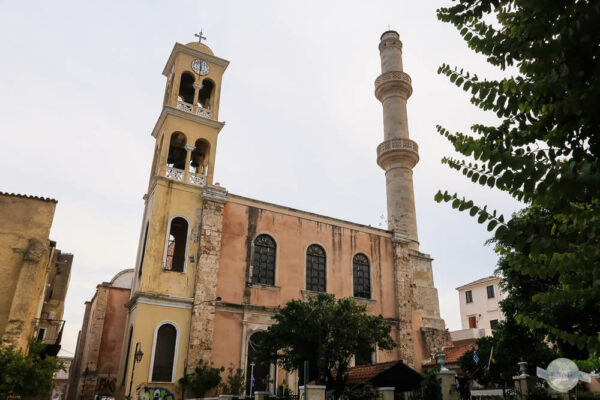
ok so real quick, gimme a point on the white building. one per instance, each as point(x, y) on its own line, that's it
point(479, 308)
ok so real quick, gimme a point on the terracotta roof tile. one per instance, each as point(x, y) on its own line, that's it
point(453, 354)
point(364, 373)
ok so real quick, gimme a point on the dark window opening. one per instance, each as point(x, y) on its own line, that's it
point(363, 357)
point(261, 369)
point(177, 152)
point(490, 292)
point(127, 354)
point(469, 296)
point(199, 158)
point(316, 269)
point(205, 93)
point(40, 334)
point(143, 251)
point(361, 276)
point(493, 324)
point(176, 245)
point(164, 353)
point(186, 88)
point(263, 260)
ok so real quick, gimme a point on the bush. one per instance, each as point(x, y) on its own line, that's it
point(204, 378)
point(26, 375)
point(235, 382)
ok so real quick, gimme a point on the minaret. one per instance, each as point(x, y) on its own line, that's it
point(397, 154)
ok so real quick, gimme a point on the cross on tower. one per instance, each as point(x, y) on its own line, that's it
point(199, 36)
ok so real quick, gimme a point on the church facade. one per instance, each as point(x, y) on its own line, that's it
point(213, 266)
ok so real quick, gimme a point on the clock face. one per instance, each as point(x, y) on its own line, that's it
point(200, 67)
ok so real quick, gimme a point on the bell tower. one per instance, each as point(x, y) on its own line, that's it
point(186, 131)
point(175, 271)
point(397, 154)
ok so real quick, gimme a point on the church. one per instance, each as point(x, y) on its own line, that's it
point(213, 266)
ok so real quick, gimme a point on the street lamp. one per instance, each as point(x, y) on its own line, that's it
point(137, 357)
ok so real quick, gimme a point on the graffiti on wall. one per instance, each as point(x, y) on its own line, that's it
point(155, 393)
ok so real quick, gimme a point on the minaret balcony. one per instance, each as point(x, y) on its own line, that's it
point(189, 108)
point(397, 148)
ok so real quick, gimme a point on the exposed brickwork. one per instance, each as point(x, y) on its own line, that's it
point(435, 340)
point(404, 301)
point(207, 268)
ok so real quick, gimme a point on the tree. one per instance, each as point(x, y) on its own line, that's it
point(26, 375)
point(511, 343)
point(543, 152)
point(204, 378)
point(326, 332)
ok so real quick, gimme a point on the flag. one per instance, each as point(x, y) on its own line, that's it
point(475, 357)
point(491, 360)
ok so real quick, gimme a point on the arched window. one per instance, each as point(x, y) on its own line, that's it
point(199, 158)
point(362, 276)
point(176, 156)
point(205, 93)
point(163, 356)
point(263, 260)
point(186, 88)
point(316, 269)
point(176, 247)
point(261, 370)
point(143, 250)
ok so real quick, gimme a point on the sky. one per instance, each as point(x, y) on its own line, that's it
point(81, 89)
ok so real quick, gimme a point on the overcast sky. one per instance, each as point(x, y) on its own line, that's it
point(81, 89)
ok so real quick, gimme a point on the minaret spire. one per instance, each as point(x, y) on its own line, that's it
point(397, 154)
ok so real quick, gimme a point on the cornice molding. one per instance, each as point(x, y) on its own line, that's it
point(181, 48)
point(168, 110)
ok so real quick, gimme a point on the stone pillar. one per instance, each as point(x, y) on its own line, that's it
point(261, 395)
point(397, 154)
point(448, 381)
point(312, 392)
point(387, 393)
point(207, 268)
point(524, 383)
point(188, 157)
point(404, 299)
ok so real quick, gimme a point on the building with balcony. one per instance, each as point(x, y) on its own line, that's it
point(479, 307)
point(35, 274)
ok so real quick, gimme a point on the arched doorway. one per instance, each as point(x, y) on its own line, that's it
point(260, 371)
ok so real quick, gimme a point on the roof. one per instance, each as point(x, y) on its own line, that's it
point(478, 281)
point(388, 374)
point(453, 354)
point(26, 196)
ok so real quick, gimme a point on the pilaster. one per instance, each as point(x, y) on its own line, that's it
point(207, 268)
point(404, 299)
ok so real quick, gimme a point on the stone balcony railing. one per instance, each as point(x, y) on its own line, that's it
point(189, 108)
point(396, 144)
point(175, 173)
point(179, 174)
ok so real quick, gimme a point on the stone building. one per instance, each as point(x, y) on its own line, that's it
point(213, 266)
point(96, 361)
point(35, 274)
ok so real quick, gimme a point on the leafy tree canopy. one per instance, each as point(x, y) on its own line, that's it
point(543, 152)
point(326, 332)
point(511, 344)
point(26, 375)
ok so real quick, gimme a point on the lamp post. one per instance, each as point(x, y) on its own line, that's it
point(137, 357)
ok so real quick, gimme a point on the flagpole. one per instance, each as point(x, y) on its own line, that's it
point(491, 355)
